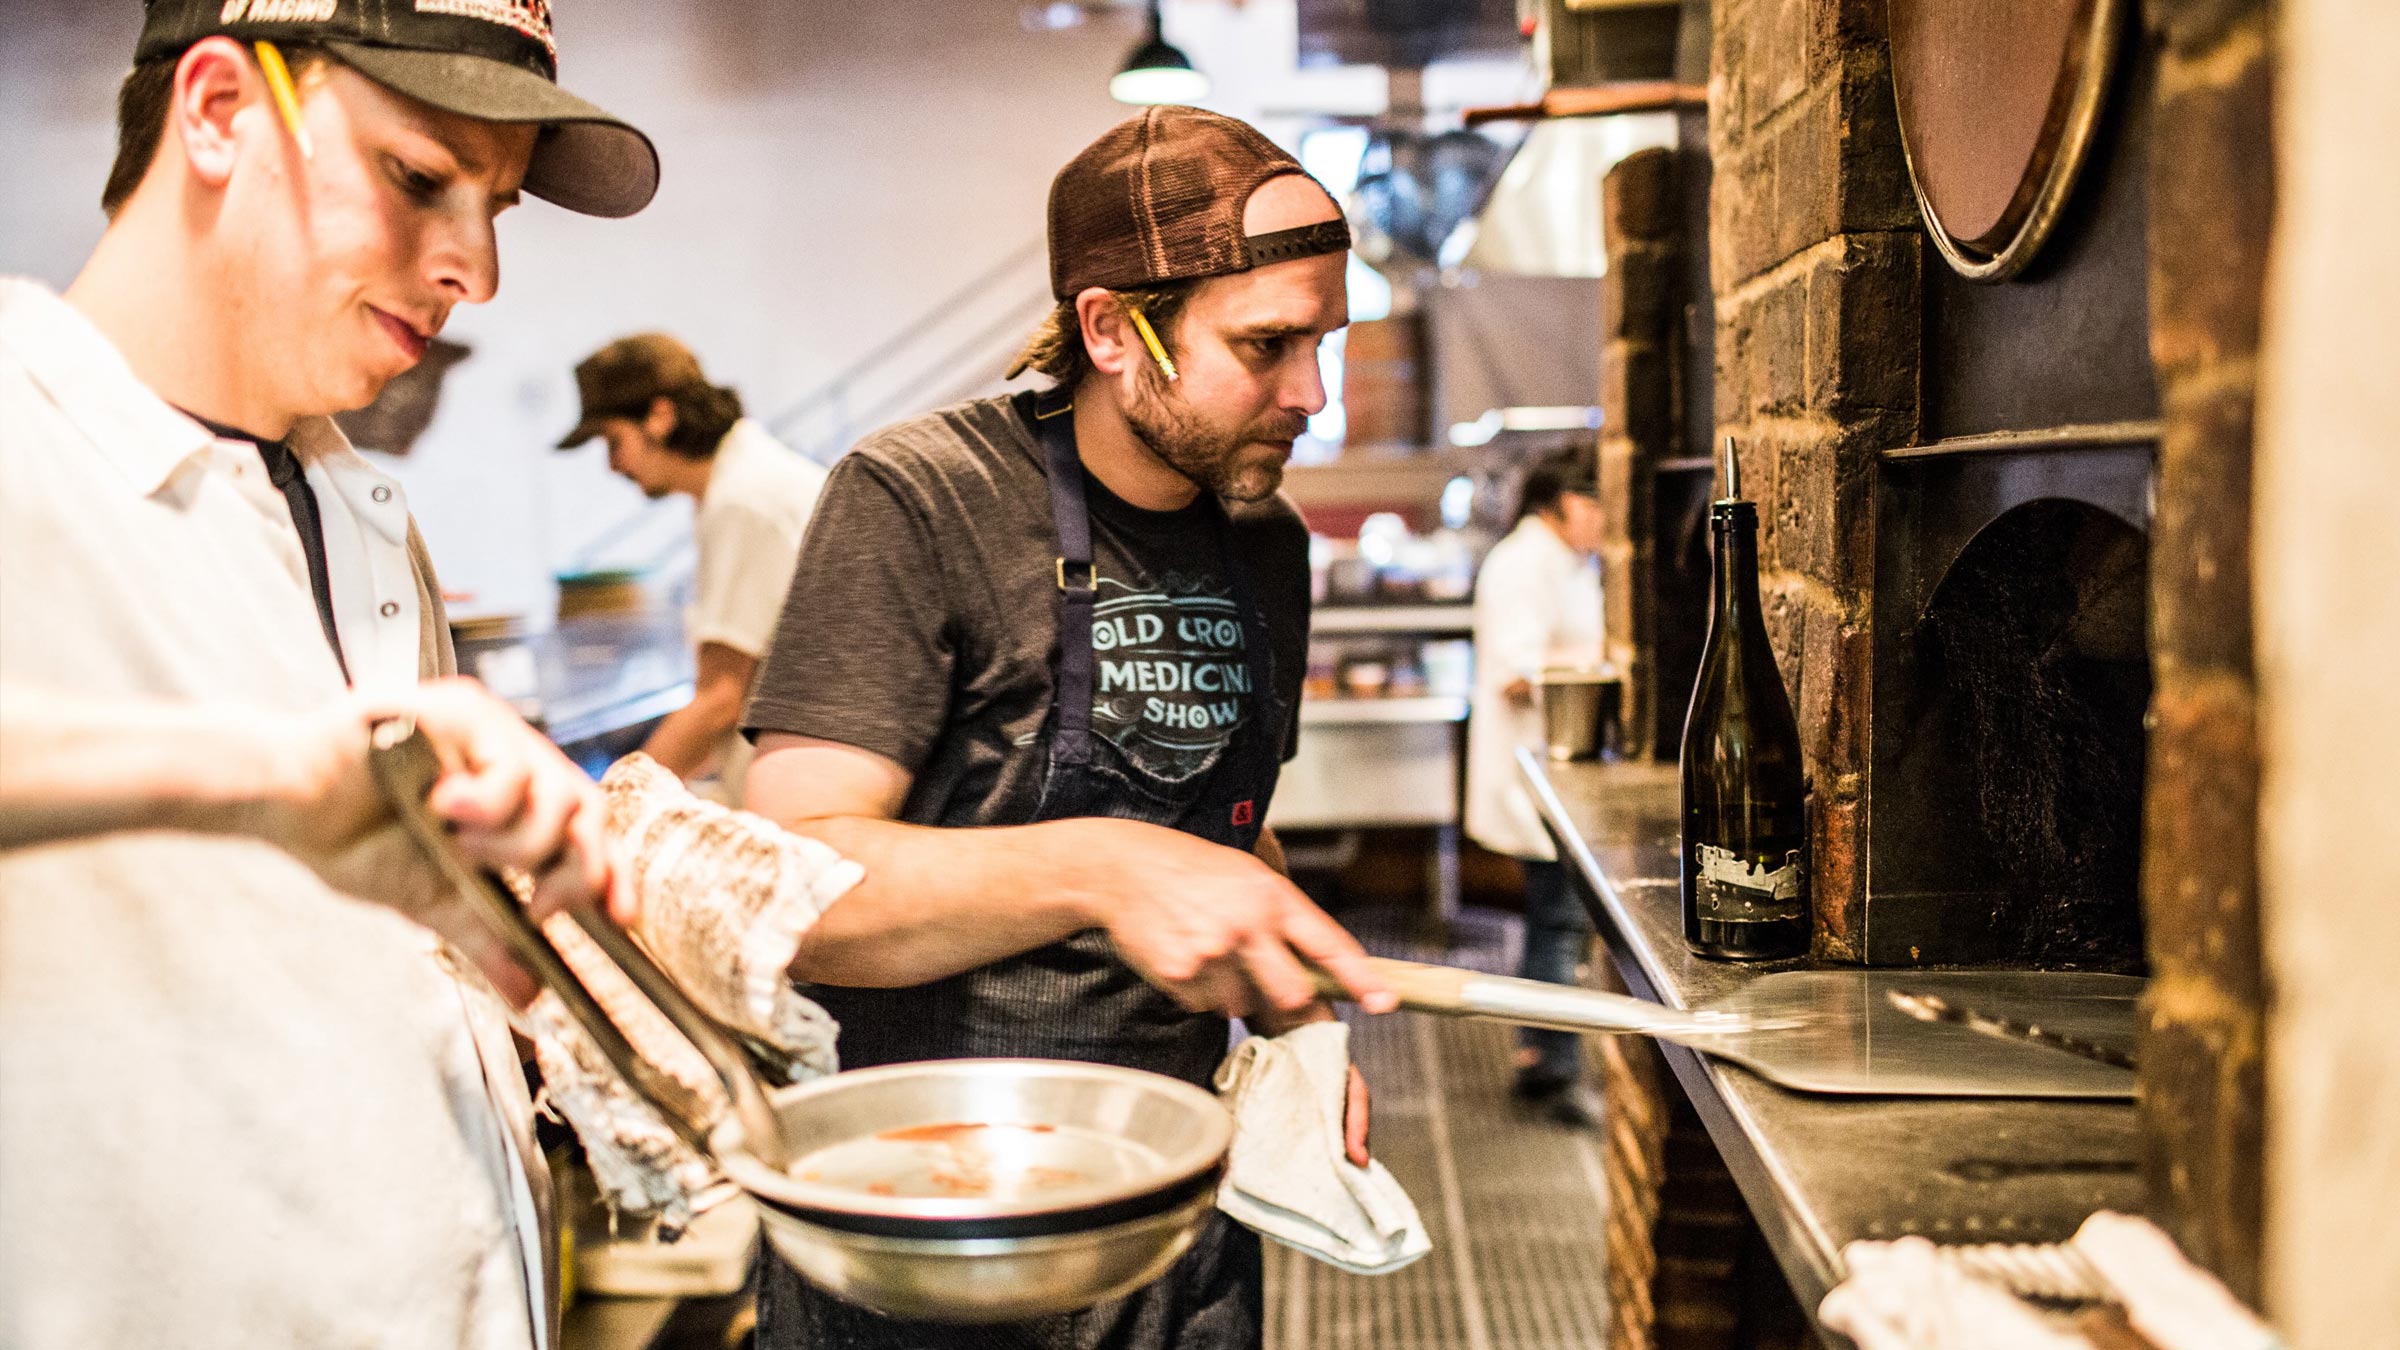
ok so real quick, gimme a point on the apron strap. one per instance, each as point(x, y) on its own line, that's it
point(1078, 582)
point(1256, 657)
point(1078, 593)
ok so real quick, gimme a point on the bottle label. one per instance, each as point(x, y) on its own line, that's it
point(1735, 890)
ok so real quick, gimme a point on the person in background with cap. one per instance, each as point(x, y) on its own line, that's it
point(669, 430)
point(1039, 668)
point(238, 1105)
point(1537, 603)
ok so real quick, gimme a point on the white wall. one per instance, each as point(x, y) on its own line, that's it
point(2328, 592)
point(830, 172)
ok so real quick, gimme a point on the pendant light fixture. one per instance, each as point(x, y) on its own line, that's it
point(1157, 71)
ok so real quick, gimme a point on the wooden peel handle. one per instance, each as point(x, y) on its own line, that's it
point(1452, 992)
point(1424, 988)
point(1620, 96)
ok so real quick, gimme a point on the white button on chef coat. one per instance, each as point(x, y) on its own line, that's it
point(365, 520)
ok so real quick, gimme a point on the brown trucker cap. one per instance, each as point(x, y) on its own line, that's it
point(492, 60)
point(622, 378)
point(1159, 198)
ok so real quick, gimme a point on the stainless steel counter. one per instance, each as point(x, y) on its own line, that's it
point(607, 672)
point(595, 684)
point(1819, 1172)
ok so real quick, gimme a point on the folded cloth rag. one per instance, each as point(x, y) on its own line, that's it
point(1910, 1294)
point(725, 897)
point(1904, 1295)
point(1288, 1178)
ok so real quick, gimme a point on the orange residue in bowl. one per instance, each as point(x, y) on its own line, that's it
point(951, 1132)
point(966, 1185)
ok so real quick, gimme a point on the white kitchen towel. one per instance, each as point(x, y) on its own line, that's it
point(1910, 1294)
point(1288, 1177)
point(725, 897)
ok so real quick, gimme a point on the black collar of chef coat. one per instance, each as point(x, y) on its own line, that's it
point(290, 478)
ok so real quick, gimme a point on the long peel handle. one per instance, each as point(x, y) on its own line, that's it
point(1452, 992)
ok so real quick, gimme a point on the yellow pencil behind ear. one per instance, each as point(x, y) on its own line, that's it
point(1158, 349)
point(287, 98)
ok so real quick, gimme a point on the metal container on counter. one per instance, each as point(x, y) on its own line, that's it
point(1583, 711)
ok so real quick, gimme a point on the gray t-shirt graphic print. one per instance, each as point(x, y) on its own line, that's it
point(921, 622)
point(1171, 683)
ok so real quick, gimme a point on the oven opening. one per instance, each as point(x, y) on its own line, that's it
point(2033, 684)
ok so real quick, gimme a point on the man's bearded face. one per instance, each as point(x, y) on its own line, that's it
point(1240, 460)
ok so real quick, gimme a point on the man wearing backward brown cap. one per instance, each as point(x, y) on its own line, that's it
point(1039, 667)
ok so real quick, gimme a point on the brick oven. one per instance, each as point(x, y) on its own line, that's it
point(2005, 523)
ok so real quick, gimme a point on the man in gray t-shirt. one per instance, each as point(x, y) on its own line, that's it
point(920, 628)
point(1039, 668)
point(913, 607)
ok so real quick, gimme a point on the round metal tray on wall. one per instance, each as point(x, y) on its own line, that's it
point(1999, 102)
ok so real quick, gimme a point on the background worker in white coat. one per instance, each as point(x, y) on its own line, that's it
point(669, 430)
point(1537, 603)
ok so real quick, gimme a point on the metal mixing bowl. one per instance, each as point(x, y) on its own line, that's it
point(987, 1190)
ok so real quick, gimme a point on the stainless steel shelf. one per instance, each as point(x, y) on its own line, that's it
point(1331, 619)
point(1381, 711)
point(1819, 1172)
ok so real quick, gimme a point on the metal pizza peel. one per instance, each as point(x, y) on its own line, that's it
point(1912, 1033)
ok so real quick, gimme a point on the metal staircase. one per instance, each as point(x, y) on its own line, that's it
point(957, 348)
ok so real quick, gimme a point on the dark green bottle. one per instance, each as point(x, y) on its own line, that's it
point(1745, 805)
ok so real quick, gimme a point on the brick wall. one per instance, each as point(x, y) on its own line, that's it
point(2211, 207)
point(1638, 425)
point(1815, 251)
point(1688, 1268)
point(1815, 267)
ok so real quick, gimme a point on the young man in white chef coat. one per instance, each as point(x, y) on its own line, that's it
point(239, 1106)
point(1537, 603)
point(670, 430)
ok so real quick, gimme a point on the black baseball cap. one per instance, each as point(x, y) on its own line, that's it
point(493, 60)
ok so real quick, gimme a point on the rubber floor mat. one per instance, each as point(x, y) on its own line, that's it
point(1514, 1203)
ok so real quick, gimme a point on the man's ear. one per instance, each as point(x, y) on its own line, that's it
point(214, 82)
point(659, 422)
point(1108, 336)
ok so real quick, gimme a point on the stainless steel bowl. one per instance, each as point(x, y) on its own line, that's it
point(983, 1190)
point(992, 1280)
point(987, 1190)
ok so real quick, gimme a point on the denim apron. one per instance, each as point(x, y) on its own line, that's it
point(1074, 999)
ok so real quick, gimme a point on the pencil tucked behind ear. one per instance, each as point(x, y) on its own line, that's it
point(1158, 350)
point(287, 99)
